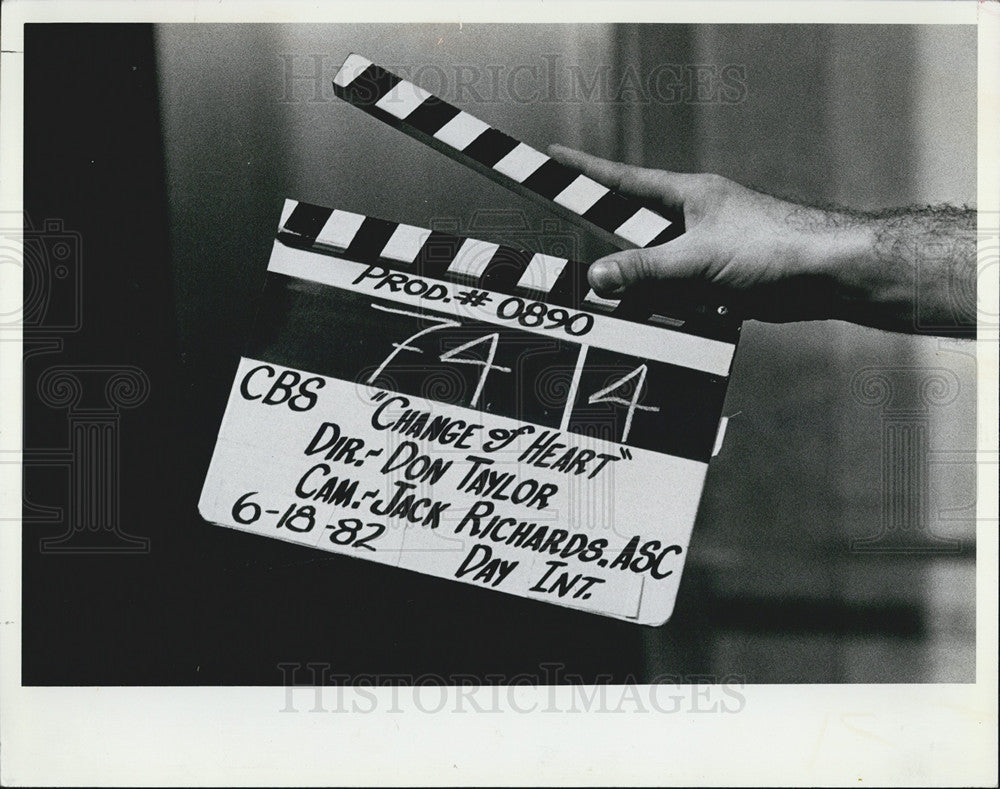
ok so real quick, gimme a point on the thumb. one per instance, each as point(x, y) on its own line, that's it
point(679, 259)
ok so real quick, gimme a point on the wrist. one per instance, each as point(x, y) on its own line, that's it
point(866, 282)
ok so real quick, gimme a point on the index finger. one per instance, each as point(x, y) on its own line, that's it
point(641, 182)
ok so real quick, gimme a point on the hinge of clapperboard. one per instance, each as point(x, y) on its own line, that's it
point(624, 221)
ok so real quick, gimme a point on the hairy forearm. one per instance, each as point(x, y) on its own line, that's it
point(909, 270)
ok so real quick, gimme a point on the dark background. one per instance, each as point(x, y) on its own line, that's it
point(165, 154)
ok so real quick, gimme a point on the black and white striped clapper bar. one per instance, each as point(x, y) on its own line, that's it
point(499, 156)
point(467, 410)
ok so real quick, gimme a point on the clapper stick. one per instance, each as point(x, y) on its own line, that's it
point(623, 221)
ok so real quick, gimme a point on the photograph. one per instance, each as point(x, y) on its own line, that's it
point(629, 365)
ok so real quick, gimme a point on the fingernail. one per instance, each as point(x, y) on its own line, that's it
point(604, 277)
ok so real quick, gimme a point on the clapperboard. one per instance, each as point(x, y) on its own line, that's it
point(471, 411)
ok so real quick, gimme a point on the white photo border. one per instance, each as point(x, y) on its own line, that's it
point(783, 734)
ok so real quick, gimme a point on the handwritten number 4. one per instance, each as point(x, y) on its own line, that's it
point(447, 356)
point(603, 396)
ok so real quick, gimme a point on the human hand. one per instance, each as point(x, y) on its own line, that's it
point(779, 261)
